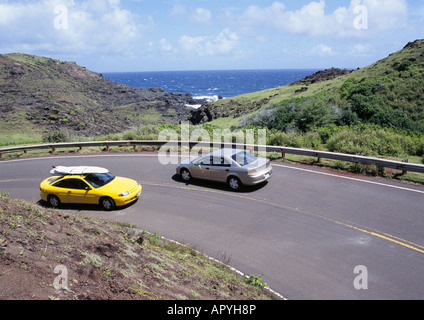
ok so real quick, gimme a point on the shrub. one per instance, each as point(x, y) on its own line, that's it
point(291, 140)
point(311, 140)
point(56, 137)
point(402, 66)
point(373, 141)
point(255, 281)
point(314, 113)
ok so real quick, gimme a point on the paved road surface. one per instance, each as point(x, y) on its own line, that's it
point(305, 231)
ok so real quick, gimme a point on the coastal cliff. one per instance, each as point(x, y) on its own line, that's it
point(49, 95)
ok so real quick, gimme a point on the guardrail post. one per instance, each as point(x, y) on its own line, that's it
point(404, 171)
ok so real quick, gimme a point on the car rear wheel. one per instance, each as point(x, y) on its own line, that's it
point(54, 201)
point(185, 175)
point(234, 183)
point(107, 204)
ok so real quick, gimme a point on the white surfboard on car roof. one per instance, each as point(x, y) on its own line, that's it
point(62, 170)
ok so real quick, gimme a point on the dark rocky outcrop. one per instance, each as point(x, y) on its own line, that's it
point(323, 75)
point(55, 94)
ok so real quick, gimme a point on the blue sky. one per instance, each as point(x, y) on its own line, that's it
point(147, 35)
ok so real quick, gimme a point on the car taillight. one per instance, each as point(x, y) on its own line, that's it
point(251, 172)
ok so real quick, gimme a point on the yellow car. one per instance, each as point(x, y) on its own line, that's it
point(88, 185)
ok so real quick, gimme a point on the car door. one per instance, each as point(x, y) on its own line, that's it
point(201, 168)
point(80, 192)
point(61, 190)
point(219, 169)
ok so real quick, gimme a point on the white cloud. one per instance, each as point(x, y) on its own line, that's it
point(358, 49)
point(192, 44)
point(202, 16)
point(166, 46)
point(198, 15)
point(92, 26)
point(223, 43)
point(361, 50)
point(323, 50)
point(314, 20)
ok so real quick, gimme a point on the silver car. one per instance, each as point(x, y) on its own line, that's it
point(235, 167)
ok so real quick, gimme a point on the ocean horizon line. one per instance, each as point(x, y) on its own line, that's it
point(223, 83)
point(222, 70)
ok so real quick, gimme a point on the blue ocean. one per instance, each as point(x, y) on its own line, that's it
point(227, 84)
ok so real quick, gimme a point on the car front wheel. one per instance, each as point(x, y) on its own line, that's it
point(234, 183)
point(107, 204)
point(185, 175)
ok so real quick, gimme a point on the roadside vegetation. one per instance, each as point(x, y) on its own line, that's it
point(105, 260)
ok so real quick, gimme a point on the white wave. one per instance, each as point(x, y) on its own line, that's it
point(207, 99)
point(203, 100)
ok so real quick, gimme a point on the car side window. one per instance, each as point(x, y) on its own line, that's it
point(216, 161)
point(206, 161)
point(220, 162)
point(71, 184)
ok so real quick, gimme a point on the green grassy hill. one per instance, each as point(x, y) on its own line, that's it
point(388, 93)
point(40, 95)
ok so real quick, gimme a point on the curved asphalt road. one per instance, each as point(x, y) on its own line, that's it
point(305, 230)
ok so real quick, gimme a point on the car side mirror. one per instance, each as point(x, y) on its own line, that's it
point(87, 188)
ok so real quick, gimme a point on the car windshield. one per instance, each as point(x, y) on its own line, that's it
point(243, 158)
point(98, 180)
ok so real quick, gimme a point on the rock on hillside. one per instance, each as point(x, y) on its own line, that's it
point(54, 94)
point(323, 75)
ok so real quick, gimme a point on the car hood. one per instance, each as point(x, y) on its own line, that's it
point(119, 185)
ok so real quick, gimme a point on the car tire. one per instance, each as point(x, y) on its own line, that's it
point(107, 204)
point(185, 175)
point(234, 183)
point(54, 201)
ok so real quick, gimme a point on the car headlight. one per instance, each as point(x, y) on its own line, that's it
point(124, 194)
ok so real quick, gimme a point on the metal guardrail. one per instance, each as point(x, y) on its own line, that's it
point(404, 166)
